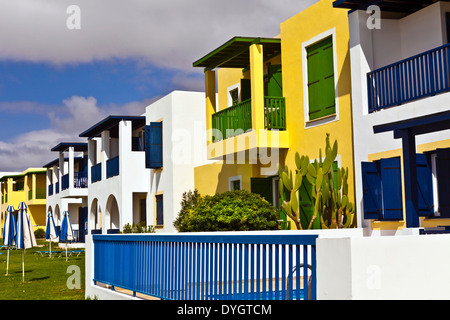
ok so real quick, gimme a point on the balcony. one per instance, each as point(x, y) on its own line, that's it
point(258, 122)
point(420, 76)
point(79, 180)
point(238, 118)
point(40, 194)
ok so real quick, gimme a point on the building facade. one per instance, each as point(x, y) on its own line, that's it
point(28, 187)
point(400, 89)
point(67, 186)
point(139, 166)
point(278, 97)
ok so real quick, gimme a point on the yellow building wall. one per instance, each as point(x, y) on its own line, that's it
point(36, 208)
point(307, 137)
point(303, 137)
point(214, 178)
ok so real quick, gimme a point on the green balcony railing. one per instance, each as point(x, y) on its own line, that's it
point(232, 121)
point(237, 119)
point(274, 113)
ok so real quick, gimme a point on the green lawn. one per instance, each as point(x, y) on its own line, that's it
point(45, 278)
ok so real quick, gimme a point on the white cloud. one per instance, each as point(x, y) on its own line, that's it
point(168, 33)
point(76, 114)
point(162, 33)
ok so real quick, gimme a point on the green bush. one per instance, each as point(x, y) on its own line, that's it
point(39, 233)
point(138, 228)
point(237, 210)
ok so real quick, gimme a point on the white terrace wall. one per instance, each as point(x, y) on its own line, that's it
point(390, 268)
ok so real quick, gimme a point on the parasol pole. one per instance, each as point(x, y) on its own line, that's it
point(7, 262)
point(23, 265)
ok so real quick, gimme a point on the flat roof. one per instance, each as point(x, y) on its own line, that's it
point(235, 53)
point(403, 6)
point(24, 173)
point(110, 122)
point(78, 146)
point(56, 161)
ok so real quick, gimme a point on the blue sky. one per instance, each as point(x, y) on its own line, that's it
point(56, 81)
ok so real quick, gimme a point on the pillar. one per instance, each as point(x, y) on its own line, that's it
point(257, 85)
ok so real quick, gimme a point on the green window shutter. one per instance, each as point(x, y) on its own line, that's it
point(321, 93)
point(275, 81)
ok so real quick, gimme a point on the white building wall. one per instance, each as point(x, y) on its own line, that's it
point(183, 115)
point(367, 52)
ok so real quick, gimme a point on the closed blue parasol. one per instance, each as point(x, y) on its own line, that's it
point(50, 230)
point(9, 231)
point(25, 235)
point(66, 233)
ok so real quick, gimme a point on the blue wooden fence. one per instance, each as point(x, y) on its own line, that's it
point(422, 75)
point(209, 267)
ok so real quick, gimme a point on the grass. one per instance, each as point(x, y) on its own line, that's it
point(45, 278)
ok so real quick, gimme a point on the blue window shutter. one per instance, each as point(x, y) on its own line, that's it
point(443, 181)
point(424, 185)
point(153, 146)
point(391, 178)
point(372, 204)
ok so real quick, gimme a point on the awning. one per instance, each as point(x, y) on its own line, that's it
point(235, 53)
point(404, 6)
point(78, 146)
point(111, 123)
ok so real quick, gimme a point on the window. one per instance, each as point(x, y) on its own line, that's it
point(234, 94)
point(235, 183)
point(159, 210)
point(382, 188)
point(441, 168)
point(320, 79)
point(153, 145)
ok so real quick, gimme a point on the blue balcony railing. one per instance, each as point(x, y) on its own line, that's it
point(57, 187)
point(112, 167)
point(50, 189)
point(422, 75)
point(209, 267)
point(96, 172)
point(80, 179)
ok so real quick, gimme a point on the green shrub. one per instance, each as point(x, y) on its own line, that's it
point(237, 210)
point(189, 201)
point(39, 233)
point(138, 228)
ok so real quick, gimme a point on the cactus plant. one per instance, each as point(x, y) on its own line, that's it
point(329, 191)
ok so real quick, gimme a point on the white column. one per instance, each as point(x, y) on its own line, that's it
point(125, 201)
point(105, 151)
point(71, 166)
